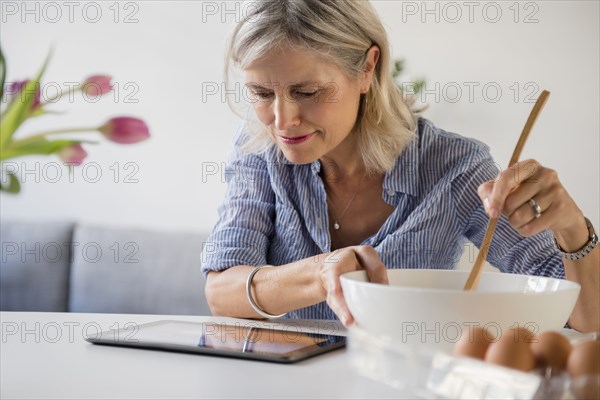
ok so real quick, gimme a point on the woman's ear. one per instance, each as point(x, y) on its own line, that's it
point(370, 64)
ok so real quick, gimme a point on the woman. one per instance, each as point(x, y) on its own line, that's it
point(334, 173)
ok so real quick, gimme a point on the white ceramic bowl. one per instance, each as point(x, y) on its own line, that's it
point(422, 306)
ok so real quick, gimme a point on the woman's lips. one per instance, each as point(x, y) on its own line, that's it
point(297, 139)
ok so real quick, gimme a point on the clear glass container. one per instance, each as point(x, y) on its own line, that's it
point(438, 375)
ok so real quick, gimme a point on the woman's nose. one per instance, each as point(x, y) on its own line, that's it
point(287, 113)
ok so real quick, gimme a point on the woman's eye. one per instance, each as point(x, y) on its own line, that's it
point(263, 95)
point(307, 94)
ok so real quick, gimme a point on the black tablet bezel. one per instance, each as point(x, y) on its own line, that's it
point(112, 337)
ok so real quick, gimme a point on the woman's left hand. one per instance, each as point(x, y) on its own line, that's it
point(512, 191)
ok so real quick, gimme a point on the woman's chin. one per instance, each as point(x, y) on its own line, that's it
point(299, 157)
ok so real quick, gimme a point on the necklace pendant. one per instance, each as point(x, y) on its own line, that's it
point(336, 226)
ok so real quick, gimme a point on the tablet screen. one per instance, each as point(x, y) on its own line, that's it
point(247, 340)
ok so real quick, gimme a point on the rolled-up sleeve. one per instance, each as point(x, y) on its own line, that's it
point(242, 233)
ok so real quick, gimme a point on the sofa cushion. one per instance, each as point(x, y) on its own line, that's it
point(136, 271)
point(34, 266)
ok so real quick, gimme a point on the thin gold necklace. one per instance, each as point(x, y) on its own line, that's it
point(336, 220)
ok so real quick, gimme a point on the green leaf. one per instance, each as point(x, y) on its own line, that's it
point(13, 186)
point(398, 67)
point(2, 73)
point(38, 112)
point(18, 111)
point(40, 146)
point(419, 85)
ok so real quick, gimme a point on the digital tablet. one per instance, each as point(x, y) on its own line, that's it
point(248, 340)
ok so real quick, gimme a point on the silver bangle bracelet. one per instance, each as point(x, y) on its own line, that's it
point(251, 299)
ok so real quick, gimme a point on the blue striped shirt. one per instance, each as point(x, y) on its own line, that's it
point(275, 212)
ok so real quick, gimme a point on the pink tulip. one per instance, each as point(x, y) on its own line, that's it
point(97, 85)
point(14, 88)
point(73, 154)
point(125, 130)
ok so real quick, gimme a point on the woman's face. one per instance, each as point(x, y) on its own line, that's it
point(309, 106)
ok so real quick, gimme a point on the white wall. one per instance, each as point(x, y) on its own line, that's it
point(176, 48)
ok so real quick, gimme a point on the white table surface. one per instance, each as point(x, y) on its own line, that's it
point(44, 355)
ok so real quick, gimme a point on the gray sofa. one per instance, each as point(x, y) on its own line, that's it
point(57, 266)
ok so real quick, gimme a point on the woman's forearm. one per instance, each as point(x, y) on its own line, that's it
point(276, 290)
point(586, 271)
point(586, 314)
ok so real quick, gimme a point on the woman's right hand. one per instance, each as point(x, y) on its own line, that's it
point(338, 262)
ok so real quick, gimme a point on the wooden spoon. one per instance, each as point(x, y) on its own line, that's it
point(473, 279)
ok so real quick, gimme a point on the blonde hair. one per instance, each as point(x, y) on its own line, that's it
point(341, 32)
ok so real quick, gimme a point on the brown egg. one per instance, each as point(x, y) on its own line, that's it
point(512, 350)
point(584, 359)
point(551, 349)
point(474, 343)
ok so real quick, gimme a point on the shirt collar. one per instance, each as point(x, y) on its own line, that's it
point(404, 177)
point(315, 167)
